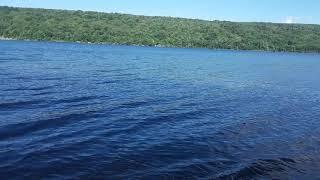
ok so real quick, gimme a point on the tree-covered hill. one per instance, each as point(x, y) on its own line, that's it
point(62, 25)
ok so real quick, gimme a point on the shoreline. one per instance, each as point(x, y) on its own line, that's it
point(7, 39)
point(155, 46)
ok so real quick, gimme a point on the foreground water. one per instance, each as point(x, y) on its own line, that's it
point(117, 112)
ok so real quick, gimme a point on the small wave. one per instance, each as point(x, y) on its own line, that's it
point(75, 99)
point(262, 168)
point(113, 70)
point(21, 78)
point(42, 93)
point(134, 104)
point(19, 104)
point(109, 82)
point(21, 129)
point(31, 89)
point(145, 123)
point(11, 59)
point(5, 74)
point(55, 68)
point(127, 76)
point(50, 79)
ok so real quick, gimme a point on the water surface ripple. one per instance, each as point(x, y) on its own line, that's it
point(95, 111)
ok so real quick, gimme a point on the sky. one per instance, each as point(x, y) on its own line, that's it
point(278, 11)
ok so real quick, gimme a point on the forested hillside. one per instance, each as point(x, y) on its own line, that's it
point(62, 25)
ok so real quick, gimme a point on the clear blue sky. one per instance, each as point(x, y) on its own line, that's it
point(290, 11)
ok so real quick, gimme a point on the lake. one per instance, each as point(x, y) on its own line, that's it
point(71, 110)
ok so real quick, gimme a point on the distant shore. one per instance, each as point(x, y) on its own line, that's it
point(7, 39)
point(124, 29)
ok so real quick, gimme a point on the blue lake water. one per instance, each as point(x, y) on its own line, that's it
point(72, 110)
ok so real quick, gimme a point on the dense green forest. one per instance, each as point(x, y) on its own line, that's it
point(96, 27)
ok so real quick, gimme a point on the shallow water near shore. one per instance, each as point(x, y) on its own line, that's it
point(72, 110)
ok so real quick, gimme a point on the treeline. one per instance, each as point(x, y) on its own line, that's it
point(80, 26)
